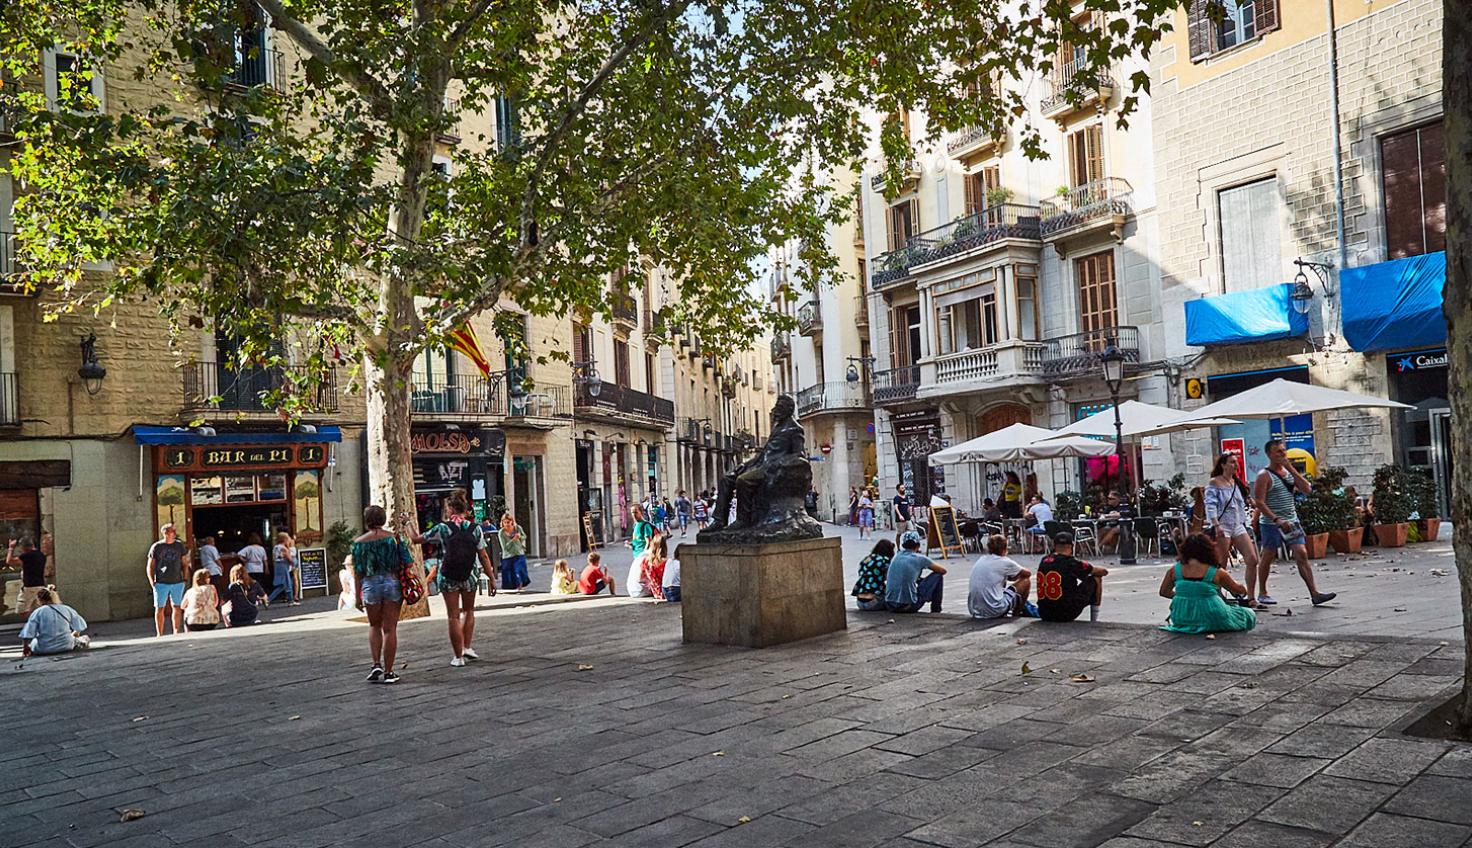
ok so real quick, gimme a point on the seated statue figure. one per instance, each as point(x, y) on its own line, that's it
point(768, 490)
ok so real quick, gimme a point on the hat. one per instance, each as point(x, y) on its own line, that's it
point(1063, 537)
point(910, 539)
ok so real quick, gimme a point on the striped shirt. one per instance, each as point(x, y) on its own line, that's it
point(1279, 498)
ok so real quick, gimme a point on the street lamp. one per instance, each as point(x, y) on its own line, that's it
point(1112, 361)
point(1303, 291)
point(91, 371)
point(854, 364)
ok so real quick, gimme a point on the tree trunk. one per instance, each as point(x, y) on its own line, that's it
point(1457, 125)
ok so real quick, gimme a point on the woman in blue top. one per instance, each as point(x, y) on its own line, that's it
point(378, 558)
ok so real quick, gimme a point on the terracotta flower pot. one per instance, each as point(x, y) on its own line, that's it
point(1347, 541)
point(1318, 545)
point(1392, 535)
point(1430, 527)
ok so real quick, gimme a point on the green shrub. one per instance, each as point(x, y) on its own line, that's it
point(1068, 505)
point(1326, 508)
point(1393, 501)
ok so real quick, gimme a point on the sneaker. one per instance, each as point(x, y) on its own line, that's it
point(1324, 598)
point(84, 642)
point(470, 654)
point(390, 677)
point(1266, 600)
point(376, 675)
point(457, 662)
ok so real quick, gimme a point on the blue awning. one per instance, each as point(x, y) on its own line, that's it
point(1257, 315)
point(1396, 304)
point(145, 435)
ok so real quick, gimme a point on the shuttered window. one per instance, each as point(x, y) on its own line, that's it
point(979, 187)
point(903, 218)
point(1414, 183)
point(1097, 309)
point(621, 362)
point(1237, 24)
point(1086, 155)
point(1250, 233)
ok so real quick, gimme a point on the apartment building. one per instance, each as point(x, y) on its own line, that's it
point(1248, 151)
point(995, 281)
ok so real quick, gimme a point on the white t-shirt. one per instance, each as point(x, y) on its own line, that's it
point(254, 557)
point(671, 573)
point(209, 557)
point(989, 576)
point(636, 587)
point(1042, 512)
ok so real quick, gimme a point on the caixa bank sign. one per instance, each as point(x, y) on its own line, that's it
point(1421, 360)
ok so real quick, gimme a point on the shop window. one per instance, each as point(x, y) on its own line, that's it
point(1413, 176)
point(1250, 232)
point(1086, 155)
point(1213, 26)
point(1097, 307)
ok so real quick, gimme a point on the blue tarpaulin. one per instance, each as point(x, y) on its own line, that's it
point(145, 435)
point(1395, 304)
point(1257, 315)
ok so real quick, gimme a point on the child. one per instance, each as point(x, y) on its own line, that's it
point(595, 578)
point(563, 583)
point(671, 579)
point(347, 596)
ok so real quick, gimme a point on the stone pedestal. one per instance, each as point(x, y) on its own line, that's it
point(760, 595)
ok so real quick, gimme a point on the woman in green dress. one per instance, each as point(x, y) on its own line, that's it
point(1194, 586)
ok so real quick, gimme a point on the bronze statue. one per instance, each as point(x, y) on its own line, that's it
point(769, 489)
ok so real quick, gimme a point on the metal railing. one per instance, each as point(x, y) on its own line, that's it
point(809, 318)
point(1079, 353)
point(623, 309)
point(691, 431)
point(833, 396)
point(9, 399)
point(260, 66)
point(992, 224)
point(459, 394)
point(909, 172)
point(972, 136)
point(536, 401)
point(1078, 78)
point(895, 385)
point(1101, 198)
point(214, 386)
point(615, 398)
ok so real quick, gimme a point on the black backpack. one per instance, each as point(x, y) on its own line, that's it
point(460, 550)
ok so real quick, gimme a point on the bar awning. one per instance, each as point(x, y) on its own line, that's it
point(1256, 315)
point(1396, 304)
point(146, 435)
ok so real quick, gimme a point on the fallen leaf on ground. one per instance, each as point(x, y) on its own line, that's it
point(719, 754)
point(130, 815)
point(1022, 641)
point(1026, 669)
point(295, 718)
point(1438, 572)
point(1211, 636)
point(140, 718)
point(1080, 678)
point(584, 667)
point(744, 820)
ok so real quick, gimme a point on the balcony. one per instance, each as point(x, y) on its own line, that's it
point(909, 176)
point(973, 142)
point(471, 396)
point(692, 431)
point(781, 346)
point(1002, 364)
point(214, 387)
point(809, 319)
point(895, 385)
point(1074, 87)
point(260, 66)
point(861, 316)
point(833, 397)
point(1078, 354)
point(1103, 203)
point(9, 399)
point(745, 441)
point(624, 311)
point(980, 229)
point(618, 403)
point(536, 406)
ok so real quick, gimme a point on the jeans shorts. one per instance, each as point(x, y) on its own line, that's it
point(164, 593)
point(1273, 535)
point(470, 584)
point(378, 588)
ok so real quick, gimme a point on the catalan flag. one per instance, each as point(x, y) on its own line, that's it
point(465, 341)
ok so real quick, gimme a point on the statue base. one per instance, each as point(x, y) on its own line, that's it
point(761, 595)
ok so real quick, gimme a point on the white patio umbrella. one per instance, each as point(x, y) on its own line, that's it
point(1140, 419)
point(1280, 398)
point(1020, 443)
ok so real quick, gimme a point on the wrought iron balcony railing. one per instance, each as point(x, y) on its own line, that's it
point(985, 226)
point(1080, 80)
point(781, 346)
point(613, 398)
point(895, 385)
point(809, 318)
point(210, 386)
point(1079, 353)
point(1100, 200)
point(260, 66)
point(825, 397)
point(623, 308)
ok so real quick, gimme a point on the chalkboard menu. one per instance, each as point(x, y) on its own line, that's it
point(943, 532)
point(313, 565)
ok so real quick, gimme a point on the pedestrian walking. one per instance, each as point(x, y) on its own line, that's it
point(379, 557)
point(1225, 515)
point(462, 547)
point(201, 604)
point(901, 511)
point(866, 514)
point(682, 511)
point(1273, 493)
point(702, 512)
point(853, 507)
point(669, 517)
point(513, 554)
point(167, 561)
point(283, 568)
point(810, 501)
point(22, 554)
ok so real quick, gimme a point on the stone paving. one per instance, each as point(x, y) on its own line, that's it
point(590, 723)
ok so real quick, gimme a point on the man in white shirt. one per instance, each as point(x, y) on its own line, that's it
point(998, 585)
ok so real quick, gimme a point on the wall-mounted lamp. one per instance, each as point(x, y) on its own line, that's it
point(1303, 292)
point(91, 371)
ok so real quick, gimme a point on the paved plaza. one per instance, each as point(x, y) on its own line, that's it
point(589, 722)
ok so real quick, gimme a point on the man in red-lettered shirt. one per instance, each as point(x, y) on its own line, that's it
point(1066, 585)
point(595, 578)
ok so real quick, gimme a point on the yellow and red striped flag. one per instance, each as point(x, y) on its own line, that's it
point(465, 341)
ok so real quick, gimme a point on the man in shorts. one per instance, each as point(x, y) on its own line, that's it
point(999, 586)
point(1272, 494)
point(904, 589)
point(901, 511)
point(168, 562)
point(1067, 585)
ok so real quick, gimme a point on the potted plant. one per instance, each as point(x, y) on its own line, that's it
point(997, 196)
point(1393, 507)
point(1068, 505)
point(1315, 513)
point(1421, 487)
point(1334, 511)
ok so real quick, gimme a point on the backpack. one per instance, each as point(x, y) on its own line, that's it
point(460, 549)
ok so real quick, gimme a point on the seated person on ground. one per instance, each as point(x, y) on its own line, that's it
point(868, 589)
point(671, 581)
point(1194, 586)
point(595, 578)
point(1114, 511)
point(999, 586)
point(563, 583)
point(241, 597)
point(646, 572)
point(52, 627)
point(1067, 585)
point(904, 589)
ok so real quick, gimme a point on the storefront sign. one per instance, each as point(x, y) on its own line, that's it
point(313, 564)
point(178, 458)
point(1418, 361)
point(1237, 448)
point(480, 441)
point(236, 457)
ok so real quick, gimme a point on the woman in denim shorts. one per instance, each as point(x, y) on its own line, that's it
point(462, 548)
point(378, 558)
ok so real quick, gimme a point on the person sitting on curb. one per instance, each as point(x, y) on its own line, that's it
point(595, 577)
point(868, 589)
point(1193, 586)
point(671, 580)
point(999, 586)
point(53, 627)
point(904, 589)
point(1066, 585)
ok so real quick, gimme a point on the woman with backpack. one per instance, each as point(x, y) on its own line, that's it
point(461, 546)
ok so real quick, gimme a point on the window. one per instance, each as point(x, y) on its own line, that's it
point(904, 336)
point(1239, 24)
point(903, 220)
point(508, 126)
point(1086, 155)
point(582, 343)
point(1413, 175)
point(649, 374)
point(9, 398)
point(621, 362)
point(1097, 308)
point(72, 83)
point(1251, 256)
point(981, 187)
point(1027, 303)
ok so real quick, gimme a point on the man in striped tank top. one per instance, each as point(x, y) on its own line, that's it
point(1277, 518)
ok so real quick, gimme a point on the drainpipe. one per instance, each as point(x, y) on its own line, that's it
point(1334, 129)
